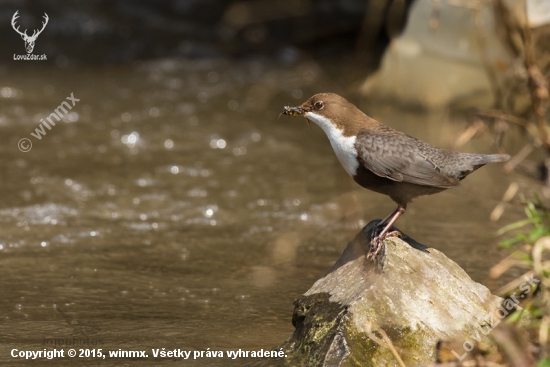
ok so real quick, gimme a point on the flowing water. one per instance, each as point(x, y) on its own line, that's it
point(171, 208)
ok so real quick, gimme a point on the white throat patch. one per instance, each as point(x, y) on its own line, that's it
point(344, 147)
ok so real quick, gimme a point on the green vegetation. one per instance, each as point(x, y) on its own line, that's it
point(530, 241)
point(534, 227)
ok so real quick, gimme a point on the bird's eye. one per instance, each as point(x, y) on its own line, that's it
point(319, 105)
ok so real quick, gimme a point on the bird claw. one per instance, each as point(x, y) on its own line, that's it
point(375, 248)
point(393, 234)
point(377, 241)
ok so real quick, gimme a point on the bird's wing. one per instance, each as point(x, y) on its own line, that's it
point(400, 160)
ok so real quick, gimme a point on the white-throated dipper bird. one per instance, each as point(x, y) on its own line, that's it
point(385, 160)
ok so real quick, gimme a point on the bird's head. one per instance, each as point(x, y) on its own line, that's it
point(328, 109)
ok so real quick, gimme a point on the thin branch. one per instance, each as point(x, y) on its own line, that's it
point(530, 127)
point(538, 85)
point(384, 342)
point(518, 158)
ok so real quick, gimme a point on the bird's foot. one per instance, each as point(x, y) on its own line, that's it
point(376, 243)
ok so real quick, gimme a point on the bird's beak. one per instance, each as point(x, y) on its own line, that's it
point(292, 111)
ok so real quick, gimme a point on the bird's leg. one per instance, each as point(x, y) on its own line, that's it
point(381, 227)
point(381, 224)
point(378, 237)
point(394, 216)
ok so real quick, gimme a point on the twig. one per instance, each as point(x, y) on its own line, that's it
point(540, 245)
point(505, 264)
point(518, 158)
point(508, 195)
point(384, 342)
point(514, 345)
point(538, 85)
point(530, 127)
point(514, 284)
point(469, 363)
point(476, 127)
point(488, 112)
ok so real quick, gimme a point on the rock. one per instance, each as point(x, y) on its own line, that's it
point(411, 295)
point(452, 54)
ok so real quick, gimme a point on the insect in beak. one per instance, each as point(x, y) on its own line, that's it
point(293, 111)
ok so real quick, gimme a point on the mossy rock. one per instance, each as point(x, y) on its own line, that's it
point(415, 295)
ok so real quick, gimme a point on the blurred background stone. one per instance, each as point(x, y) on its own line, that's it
point(453, 53)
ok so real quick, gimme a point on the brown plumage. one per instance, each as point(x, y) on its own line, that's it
point(385, 160)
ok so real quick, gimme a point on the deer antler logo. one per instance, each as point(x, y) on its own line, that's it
point(29, 40)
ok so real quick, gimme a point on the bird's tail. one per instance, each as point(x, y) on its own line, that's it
point(475, 161)
point(492, 158)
